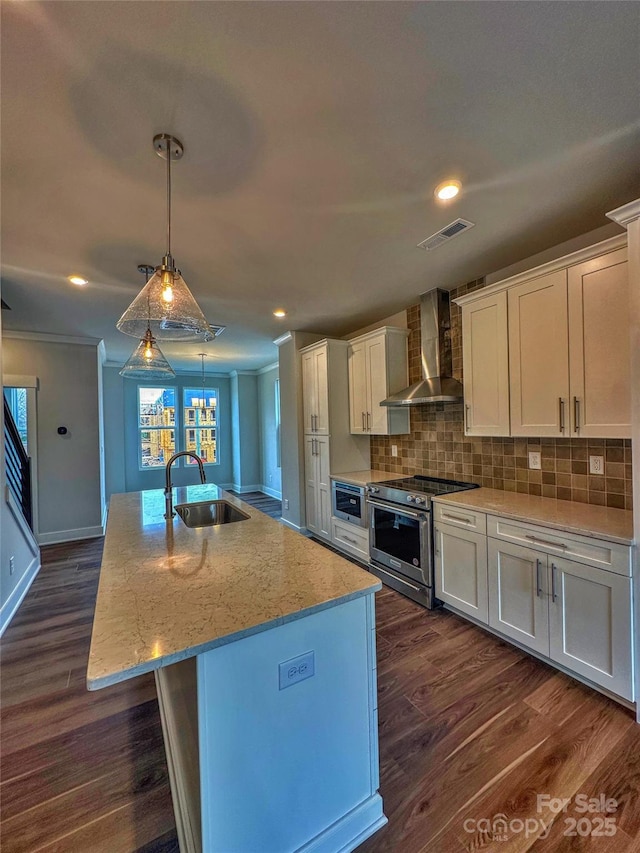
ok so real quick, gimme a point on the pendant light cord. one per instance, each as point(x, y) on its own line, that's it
point(168, 197)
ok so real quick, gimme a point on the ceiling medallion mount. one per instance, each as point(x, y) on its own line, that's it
point(166, 305)
point(164, 142)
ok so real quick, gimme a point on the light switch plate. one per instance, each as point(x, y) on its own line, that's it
point(394, 449)
point(535, 460)
point(596, 464)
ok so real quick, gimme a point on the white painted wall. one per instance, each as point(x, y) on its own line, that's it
point(69, 476)
point(16, 540)
point(271, 473)
point(245, 430)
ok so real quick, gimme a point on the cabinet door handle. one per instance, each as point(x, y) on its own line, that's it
point(466, 417)
point(561, 414)
point(456, 517)
point(311, 419)
point(576, 414)
point(545, 542)
point(364, 427)
point(369, 421)
point(538, 581)
point(436, 550)
point(554, 595)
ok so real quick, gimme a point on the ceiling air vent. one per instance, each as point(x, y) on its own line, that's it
point(452, 230)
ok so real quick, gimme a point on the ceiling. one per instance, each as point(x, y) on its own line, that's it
point(314, 135)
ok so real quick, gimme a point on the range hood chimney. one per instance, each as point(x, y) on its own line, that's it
point(437, 384)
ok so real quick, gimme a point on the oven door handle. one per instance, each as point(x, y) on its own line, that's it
point(398, 510)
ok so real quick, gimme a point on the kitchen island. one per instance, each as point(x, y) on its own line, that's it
point(263, 648)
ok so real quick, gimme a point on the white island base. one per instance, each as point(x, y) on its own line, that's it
point(260, 768)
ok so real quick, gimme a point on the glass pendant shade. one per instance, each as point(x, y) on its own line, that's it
point(147, 361)
point(166, 305)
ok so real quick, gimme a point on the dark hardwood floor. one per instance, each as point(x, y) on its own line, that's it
point(470, 728)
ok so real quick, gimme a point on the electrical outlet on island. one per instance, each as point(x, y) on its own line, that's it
point(596, 464)
point(534, 460)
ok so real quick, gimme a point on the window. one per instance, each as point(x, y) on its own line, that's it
point(200, 408)
point(156, 421)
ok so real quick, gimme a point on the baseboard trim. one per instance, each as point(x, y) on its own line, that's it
point(351, 830)
point(58, 536)
point(242, 490)
point(14, 601)
point(271, 492)
point(295, 527)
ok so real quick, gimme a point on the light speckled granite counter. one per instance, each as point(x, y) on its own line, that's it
point(599, 522)
point(168, 592)
point(361, 478)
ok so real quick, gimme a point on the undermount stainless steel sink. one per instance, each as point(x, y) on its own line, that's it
point(208, 513)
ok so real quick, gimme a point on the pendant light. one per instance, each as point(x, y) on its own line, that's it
point(147, 361)
point(165, 304)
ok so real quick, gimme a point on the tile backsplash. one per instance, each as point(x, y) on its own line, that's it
point(437, 446)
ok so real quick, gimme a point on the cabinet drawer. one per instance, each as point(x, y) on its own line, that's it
point(347, 537)
point(593, 552)
point(469, 519)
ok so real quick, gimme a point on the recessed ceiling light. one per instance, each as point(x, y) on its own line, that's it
point(77, 279)
point(279, 312)
point(447, 190)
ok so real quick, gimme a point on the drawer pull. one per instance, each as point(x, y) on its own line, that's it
point(456, 518)
point(349, 539)
point(545, 542)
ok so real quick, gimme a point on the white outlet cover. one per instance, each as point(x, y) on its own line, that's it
point(596, 464)
point(394, 449)
point(535, 460)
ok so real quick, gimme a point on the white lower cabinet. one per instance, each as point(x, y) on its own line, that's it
point(461, 569)
point(574, 614)
point(590, 624)
point(317, 485)
point(517, 594)
point(350, 538)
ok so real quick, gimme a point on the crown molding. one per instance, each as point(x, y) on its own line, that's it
point(586, 254)
point(268, 367)
point(51, 339)
point(626, 214)
point(283, 339)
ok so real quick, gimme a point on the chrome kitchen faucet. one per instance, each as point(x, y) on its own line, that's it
point(168, 489)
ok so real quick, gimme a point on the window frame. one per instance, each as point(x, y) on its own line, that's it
point(193, 425)
point(148, 428)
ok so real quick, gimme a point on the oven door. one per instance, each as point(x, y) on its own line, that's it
point(400, 539)
point(349, 504)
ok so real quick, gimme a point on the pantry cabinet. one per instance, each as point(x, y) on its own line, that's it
point(318, 485)
point(563, 330)
point(328, 443)
point(378, 367)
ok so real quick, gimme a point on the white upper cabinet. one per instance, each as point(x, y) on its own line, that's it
point(599, 347)
point(539, 356)
point(485, 355)
point(547, 352)
point(378, 367)
point(315, 389)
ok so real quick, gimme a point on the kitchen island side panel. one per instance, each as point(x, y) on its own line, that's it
point(295, 768)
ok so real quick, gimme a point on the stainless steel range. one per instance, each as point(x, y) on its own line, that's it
point(400, 533)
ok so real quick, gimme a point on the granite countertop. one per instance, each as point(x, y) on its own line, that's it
point(168, 592)
point(598, 522)
point(361, 478)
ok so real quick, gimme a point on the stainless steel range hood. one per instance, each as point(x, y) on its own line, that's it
point(437, 385)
